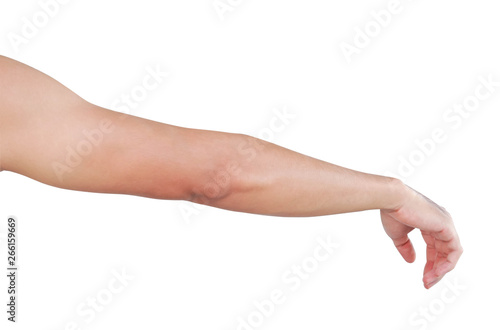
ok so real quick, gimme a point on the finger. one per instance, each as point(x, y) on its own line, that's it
point(431, 257)
point(452, 261)
point(432, 282)
point(430, 251)
point(441, 268)
point(447, 255)
point(432, 277)
point(405, 248)
point(449, 260)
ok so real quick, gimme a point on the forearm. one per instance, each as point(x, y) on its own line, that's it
point(264, 178)
point(131, 155)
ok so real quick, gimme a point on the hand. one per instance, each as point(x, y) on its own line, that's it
point(438, 231)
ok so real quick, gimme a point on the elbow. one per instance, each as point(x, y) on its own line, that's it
point(217, 184)
point(230, 175)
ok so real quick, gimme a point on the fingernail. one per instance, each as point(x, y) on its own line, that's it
point(431, 284)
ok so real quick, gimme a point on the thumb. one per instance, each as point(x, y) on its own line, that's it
point(405, 248)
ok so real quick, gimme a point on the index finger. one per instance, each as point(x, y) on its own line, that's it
point(448, 251)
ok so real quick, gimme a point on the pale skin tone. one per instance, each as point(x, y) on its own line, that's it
point(41, 121)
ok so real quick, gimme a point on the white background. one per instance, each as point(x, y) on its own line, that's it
point(206, 270)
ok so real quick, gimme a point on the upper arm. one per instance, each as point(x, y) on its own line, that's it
point(50, 134)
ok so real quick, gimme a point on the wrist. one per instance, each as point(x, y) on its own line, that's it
point(397, 194)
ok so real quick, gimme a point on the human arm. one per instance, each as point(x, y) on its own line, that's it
point(50, 134)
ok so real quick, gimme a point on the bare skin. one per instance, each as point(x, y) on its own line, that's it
point(51, 135)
